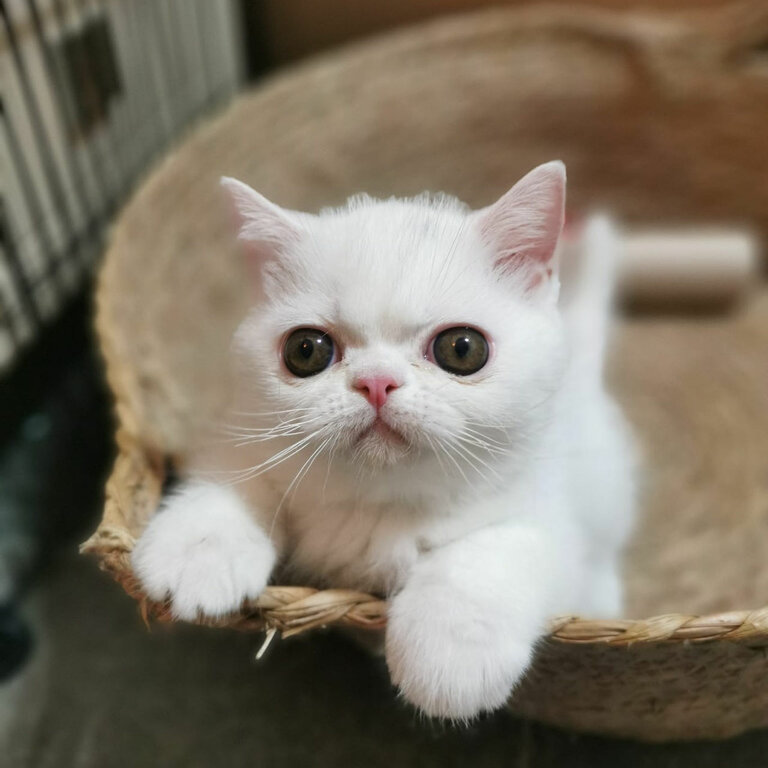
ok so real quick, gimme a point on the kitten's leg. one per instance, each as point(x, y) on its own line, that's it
point(204, 550)
point(461, 633)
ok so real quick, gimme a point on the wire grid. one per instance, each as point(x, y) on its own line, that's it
point(91, 92)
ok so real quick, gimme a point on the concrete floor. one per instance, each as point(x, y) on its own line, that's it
point(102, 691)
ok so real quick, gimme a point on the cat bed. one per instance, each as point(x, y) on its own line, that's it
point(641, 109)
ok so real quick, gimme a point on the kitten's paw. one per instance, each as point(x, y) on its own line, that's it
point(204, 551)
point(448, 658)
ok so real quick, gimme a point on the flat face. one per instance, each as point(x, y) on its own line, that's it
point(380, 283)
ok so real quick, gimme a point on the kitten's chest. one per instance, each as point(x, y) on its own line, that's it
point(370, 544)
point(359, 547)
point(371, 547)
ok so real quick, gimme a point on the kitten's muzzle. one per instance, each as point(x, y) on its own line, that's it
point(381, 429)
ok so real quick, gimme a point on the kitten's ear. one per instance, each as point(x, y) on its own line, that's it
point(262, 226)
point(524, 225)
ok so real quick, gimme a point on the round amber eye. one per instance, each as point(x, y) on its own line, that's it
point(460, 350)
point(307, 352)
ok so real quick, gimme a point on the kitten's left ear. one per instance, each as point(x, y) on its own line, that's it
point(524, 225)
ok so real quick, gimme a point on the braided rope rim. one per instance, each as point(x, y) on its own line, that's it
point(293, 610)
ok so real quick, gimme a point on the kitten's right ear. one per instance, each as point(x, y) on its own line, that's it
point(262, 226)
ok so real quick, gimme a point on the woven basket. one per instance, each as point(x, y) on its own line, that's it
point(659, 116)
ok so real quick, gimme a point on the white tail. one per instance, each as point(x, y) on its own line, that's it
point(589, 269)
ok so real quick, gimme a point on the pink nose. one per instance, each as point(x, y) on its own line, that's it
point(376, 389)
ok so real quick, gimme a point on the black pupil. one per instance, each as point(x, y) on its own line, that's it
point(461, 346)
point(306, 349)
point(461, 351)
point(308, 352)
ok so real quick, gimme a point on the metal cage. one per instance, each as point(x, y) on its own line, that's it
point(91, 91)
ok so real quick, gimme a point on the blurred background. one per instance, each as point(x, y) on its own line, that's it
point(93, 94)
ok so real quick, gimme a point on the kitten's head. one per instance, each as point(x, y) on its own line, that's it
point(401, 331)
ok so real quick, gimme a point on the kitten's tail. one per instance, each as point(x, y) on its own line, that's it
point(589, 268)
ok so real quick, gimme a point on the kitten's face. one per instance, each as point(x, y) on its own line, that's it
point(400, 331)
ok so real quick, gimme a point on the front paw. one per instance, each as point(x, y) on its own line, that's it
point(204, 552)
point(450, 659)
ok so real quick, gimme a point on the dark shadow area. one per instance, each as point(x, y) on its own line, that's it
point(55, 449)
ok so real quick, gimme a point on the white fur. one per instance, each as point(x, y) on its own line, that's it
point(511, 495)
point(203, 549)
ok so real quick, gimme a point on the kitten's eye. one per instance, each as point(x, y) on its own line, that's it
point(460, 350)
point(307, 352)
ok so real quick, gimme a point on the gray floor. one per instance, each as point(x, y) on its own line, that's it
point(103, 691)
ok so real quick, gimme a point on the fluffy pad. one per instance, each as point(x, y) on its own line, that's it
point(204, 551)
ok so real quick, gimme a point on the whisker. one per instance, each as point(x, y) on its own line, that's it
point(270, 413)
point(436, 451)
point(494, 450)
point(464, 450)
point(480, 436)
point(288, 424)
point(456, 463)
point(251, 439)
point(334, 446)
point(294, 484)
point(240, 476)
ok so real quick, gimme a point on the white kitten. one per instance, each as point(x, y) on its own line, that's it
point(427, 423)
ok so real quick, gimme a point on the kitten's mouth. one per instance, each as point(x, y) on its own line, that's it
point(380, 429)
